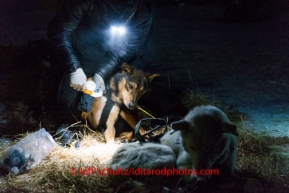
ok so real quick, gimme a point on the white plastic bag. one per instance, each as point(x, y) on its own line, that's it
point(27, 153)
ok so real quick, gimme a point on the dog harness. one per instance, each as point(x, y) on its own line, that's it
point(106, 110)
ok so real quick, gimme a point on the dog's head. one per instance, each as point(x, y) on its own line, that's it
point(129, 85)
point(203, 132)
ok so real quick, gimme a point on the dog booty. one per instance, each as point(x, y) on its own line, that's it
point(66, 137)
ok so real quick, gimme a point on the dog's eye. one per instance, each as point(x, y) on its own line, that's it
point(130, 86)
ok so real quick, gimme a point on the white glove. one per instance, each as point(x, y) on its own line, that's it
point(77, 79)
point(99, 83)
point(90, 88)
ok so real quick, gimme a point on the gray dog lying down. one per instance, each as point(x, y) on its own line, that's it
point(203, 139)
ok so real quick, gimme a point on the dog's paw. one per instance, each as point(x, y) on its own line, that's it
point(109, 142)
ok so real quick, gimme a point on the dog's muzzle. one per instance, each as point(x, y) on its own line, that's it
point(131, 105)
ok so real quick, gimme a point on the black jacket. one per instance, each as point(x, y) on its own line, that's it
point(79, 37)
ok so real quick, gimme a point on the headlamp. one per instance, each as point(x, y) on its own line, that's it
point(117, 30)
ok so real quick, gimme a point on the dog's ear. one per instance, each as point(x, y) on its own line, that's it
point(151, 76)
point(181, 125)
point(125, 67)
point(229, 128)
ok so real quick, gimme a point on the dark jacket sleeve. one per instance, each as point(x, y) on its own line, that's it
point(61, 28)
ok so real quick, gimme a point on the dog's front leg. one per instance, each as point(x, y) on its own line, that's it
point(128, 116)
point(131, 119)
point(109, 133)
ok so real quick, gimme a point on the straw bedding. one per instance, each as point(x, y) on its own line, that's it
point(70, 170)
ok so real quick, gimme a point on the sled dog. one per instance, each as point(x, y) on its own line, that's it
point(203, 139)
point(125, 88)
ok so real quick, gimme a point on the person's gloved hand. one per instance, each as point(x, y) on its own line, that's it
point(89, 85)
point(95, 88)
point(99, 83)
point(77, 79)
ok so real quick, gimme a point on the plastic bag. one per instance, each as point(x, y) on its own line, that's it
point(27, 153)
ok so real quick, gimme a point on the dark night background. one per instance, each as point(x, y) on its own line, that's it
point(236, 54)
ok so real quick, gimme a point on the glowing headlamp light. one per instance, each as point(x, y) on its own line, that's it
point(117, 30)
